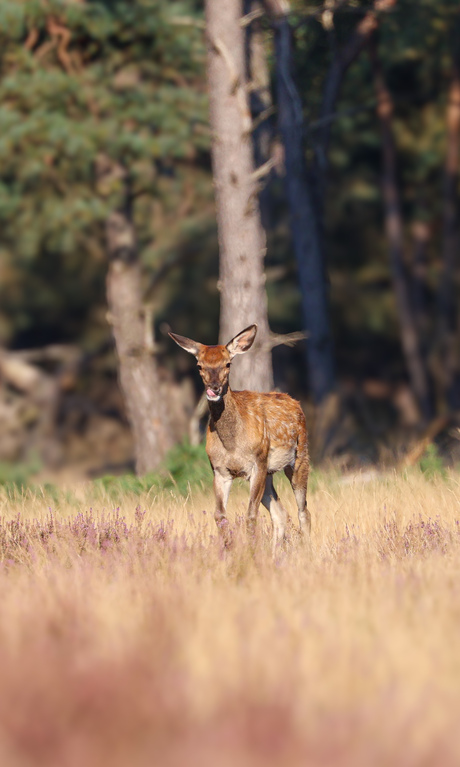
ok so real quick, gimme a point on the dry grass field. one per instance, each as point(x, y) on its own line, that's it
point(129, 637)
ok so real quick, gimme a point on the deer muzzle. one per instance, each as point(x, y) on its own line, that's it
point(213, 395)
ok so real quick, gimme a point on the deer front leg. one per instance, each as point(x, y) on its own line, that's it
point(222, 485)
point(256, 491)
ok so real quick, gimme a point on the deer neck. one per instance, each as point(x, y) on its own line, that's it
point(225, 418)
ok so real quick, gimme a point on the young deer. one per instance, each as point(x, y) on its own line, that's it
point(251, 435)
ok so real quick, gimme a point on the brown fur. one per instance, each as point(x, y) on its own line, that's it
point(251, 435)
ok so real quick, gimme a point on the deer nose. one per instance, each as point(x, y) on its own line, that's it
point(215, 386)
point(214, 393)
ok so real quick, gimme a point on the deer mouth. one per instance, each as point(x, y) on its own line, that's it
point(213, 396)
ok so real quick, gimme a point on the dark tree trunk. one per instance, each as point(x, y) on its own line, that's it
point(306, 235)
point(342, 59)
point(448, 315)
point(241, 236)
point(306, 188)
point(395, 236)
point(262, 111)
point(420, 291)
point(138, 373)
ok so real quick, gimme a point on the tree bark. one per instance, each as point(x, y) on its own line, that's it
point(304, 221)
point(449, 361)
point(138, 374)
point(241, 236)
point(395, 235)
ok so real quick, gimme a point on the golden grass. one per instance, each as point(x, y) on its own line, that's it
point(132, 638)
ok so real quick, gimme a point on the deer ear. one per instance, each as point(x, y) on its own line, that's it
point(193, 347)
point(242, 342)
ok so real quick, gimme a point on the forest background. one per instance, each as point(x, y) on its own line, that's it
point(105, 138)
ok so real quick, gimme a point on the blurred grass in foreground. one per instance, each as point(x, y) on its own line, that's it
point(129, 636)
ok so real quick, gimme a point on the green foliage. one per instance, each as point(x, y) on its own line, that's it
point(15, 477)
point(97, 99)
point(185, 467)
point(188, 465)
point(123, 103)
point(431, 463)
point(415, 45)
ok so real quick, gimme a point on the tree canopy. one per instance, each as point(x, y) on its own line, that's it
point(88, 89)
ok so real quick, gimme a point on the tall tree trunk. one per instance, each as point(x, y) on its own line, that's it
point(304, 222)
point(138, 374)
point(448, 315)
point(241, 237)
point(306, 188)
point(395, 235)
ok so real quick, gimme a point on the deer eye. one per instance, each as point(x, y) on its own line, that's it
point(227, 365)
point(199, 367)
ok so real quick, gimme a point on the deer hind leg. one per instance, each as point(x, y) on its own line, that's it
point(298, 477)
point(256, 491)
point(277, 511)
point(222, 485)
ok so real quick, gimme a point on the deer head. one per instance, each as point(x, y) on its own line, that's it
point(214, 361)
